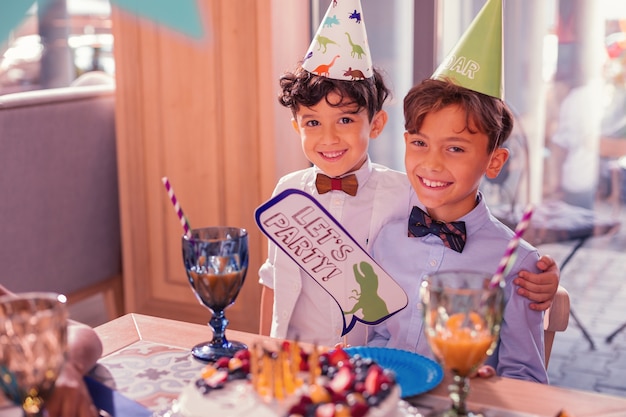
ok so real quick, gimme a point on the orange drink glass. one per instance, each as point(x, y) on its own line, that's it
point(462, 318)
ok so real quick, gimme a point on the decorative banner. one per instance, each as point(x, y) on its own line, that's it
point(13, 12)
point(310, 236)
point(180, 15)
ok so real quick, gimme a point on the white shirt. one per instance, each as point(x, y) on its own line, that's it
point(302, 308)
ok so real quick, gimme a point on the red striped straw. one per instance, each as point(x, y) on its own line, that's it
point(179, 211)
point(512, 247)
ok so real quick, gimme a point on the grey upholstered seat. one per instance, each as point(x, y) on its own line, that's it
point(59, 214)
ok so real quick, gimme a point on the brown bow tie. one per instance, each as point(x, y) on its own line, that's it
point(347, 184)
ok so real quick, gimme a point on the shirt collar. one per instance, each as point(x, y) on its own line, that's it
point(474, 220)
point(478, 217)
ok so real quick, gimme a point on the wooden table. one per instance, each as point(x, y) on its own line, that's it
point(158, 349)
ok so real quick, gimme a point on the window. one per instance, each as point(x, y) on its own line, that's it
point(76, 38)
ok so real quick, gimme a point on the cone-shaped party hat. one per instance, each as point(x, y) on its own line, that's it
point(339, 49)
point(476, 60)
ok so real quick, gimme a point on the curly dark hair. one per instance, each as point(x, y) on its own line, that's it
point(302, 88)
point(489, 114)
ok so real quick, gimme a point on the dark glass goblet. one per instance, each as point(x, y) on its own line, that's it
point(216, 261)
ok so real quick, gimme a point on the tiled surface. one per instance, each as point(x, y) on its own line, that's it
point(149, 373)
point(596, 280)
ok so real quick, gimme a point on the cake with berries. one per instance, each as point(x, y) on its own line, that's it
point(291, 382)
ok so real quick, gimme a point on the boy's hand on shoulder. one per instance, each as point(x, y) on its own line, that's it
point(539, 288)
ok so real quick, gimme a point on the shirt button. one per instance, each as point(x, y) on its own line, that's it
point(433, 262)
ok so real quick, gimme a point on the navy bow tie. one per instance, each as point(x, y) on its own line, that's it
point(452, 234)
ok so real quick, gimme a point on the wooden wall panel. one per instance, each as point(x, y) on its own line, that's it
point(202, 113)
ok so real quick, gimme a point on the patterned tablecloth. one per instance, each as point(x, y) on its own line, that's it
point(151, 374)
point(154, 374)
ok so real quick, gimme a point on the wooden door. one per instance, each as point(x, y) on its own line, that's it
point(204, 114)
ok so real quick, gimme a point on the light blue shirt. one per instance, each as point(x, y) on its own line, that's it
point(520, 352)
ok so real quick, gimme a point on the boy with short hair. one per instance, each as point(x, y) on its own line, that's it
point(456, 123)
point(453, 137)
point(336, 120)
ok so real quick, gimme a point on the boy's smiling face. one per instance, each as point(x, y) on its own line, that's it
point(445, 163)
point(335, 138)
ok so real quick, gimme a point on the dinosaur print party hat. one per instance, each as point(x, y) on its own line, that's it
point(339, 49)
point(476, 60)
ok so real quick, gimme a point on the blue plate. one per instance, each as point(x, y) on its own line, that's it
point(415, 373)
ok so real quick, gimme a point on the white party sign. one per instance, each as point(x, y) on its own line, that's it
point(310, 236)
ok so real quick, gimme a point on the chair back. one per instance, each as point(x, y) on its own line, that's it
point(556, 319)
point(59, 211)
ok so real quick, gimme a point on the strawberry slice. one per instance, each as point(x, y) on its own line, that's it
point(245, 365)
point(359, 409)
point(343, 380)
point(242, 354)
point(338, 355)
point(222, 362)
point(373, 379)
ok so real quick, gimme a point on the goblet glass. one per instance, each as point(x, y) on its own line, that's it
point(33, 337)
point(462, 318)
point(216, 261)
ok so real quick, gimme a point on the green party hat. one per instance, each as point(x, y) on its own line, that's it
point(476, 60)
